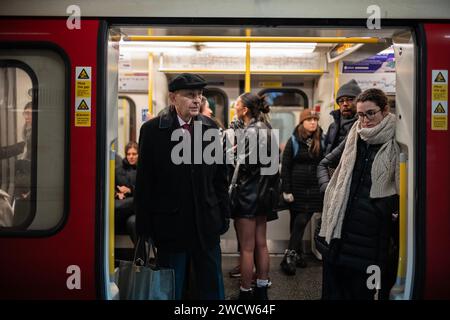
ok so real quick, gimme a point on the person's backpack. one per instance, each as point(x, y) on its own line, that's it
point(296, 145)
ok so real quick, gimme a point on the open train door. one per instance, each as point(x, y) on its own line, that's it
point(52, 247)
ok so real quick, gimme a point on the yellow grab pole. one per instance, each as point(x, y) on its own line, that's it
point(247, 62)
point(336, 83)
point(150, 83)
point(399, 287)
point(112, 166)
point(256, 39)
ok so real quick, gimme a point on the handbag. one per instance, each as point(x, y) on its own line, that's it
point(145, 282)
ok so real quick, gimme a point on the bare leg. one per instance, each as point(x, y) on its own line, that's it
point(246, 233)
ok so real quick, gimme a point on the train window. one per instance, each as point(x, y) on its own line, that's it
point(126, 124)
point(285, 97)
point(218, 102)
point(285, 122)
point(32, 140)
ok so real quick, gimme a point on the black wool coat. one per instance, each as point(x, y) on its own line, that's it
point(367, 229)
point(179, 206)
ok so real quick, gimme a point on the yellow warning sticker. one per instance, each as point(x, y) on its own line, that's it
point(440, 92)
point(439, 109)
point(439, 123)
point(82, 106)
point(439, 76)
point(83, 89)
point(83, 75)
point(82, 119)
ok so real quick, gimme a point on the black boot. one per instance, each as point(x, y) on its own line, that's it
point(245, 295)
point(300, 261)
point(261, 293)
point(288, 263)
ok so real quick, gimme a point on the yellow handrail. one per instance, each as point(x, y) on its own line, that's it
point(256, 39)
point(336, 83)
point(399, 287)
point(236, 71)
point(150, 84)
point(112, 166)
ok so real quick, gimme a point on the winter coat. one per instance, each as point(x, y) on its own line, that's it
point(179, 206)
point(368, 226)
point(336, 134)
point(126, 176)
point(253, 196)
point(299, 175)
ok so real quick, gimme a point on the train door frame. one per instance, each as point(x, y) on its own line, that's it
point(420, 87)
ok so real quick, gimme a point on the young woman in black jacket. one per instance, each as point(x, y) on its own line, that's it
point(360, 202)
point(302, 154)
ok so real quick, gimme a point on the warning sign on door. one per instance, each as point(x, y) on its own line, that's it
point(439, 115)
point(439, 99)
point(83, 91)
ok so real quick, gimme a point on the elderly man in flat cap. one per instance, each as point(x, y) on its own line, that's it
point(183, 208)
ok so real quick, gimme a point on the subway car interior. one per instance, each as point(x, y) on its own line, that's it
point(295, 68)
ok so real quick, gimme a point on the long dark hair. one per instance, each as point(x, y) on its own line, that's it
point(255, 104)
point(316, 136)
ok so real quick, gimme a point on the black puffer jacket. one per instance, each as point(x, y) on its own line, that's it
point(126, 176)
point(336, 134)
point(367, 227)
point(299, 176)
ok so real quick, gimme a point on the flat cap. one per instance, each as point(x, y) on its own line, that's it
point(187, 81)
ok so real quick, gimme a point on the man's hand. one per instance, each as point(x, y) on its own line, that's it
point(288, 197)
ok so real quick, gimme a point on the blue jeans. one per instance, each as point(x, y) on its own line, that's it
point(207, 271)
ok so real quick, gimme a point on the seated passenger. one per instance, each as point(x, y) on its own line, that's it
point(6, 212)
point(125, 183)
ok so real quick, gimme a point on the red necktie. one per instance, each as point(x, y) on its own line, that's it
point(187, 127)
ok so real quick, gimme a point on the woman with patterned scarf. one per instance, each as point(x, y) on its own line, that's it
point(361, 199)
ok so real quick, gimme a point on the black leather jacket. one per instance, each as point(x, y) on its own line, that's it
point(252, 194)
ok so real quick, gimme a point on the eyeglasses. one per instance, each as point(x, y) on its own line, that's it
point(348, 100)
point(369, 114)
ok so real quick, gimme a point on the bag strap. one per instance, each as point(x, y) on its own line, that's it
point(295, 146)
point(235, 176)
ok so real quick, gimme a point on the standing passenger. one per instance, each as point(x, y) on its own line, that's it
point(344, 117)
point(248, 210)
point(183, 207)
point(360, 200)
point(301, 156)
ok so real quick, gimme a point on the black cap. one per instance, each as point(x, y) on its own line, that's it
point(187, 81)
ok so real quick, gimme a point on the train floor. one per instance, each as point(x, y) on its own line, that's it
point(305, 285)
